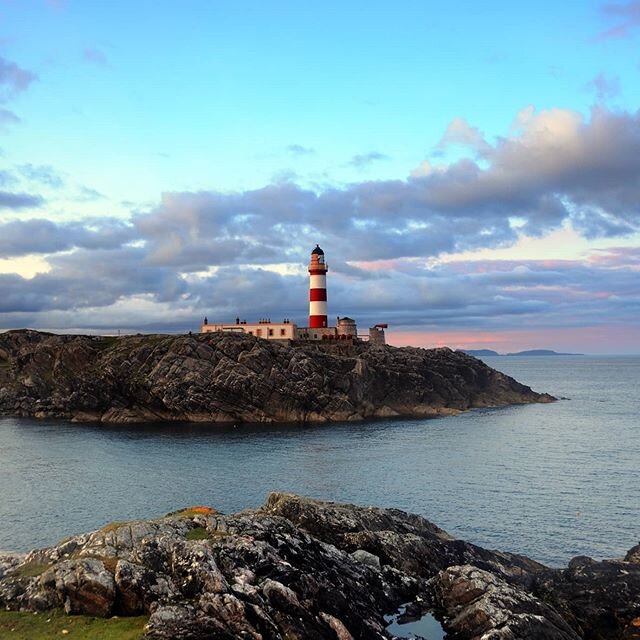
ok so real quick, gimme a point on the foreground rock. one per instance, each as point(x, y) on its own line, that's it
point(304, 569)
point(228, 378)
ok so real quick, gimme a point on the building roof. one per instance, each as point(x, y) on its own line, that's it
point(317, 251)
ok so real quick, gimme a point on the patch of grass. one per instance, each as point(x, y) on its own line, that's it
point(32, 569)
point(197, 533)
point(50, 624)
point(112, 526)
point(191, 512)
point(107, 342)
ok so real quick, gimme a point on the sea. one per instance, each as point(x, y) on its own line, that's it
point(551, 481)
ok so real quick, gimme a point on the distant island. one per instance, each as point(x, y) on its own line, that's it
point(531, 352)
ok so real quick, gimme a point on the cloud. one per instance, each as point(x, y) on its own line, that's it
point(460, 132)
point(87, 194)
point(363, 160)
point(19, 200)
point(211, 253)
point(94, 56)
point(604, 87)
point(124, 290)
point(6, 178)
point(43, 174)
point(25, 237)
point(627, 16)
point(299, 150)
point(13, 79)
point(8, 117)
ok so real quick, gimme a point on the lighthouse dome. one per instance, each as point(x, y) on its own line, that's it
point(317, 251)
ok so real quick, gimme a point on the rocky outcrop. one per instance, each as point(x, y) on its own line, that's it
point(231, 378)
point(304, 569)
point(481, 605)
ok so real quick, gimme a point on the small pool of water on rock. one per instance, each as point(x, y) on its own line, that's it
point(426, 627)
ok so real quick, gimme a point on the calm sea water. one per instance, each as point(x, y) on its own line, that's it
point(551, 481)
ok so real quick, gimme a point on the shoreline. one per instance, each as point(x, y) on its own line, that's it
point(279, 559)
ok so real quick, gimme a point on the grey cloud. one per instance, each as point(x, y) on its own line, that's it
point(604, 87)
point(8, 117)
point(94, 56)
point(87, 194)
point(299, 150)
point(7, 178)
point(13, 79)
point(487, 295)
point(362, 160)
point(556, 167)
point(23, 237)
point(44, 174)
point(19, 200)
point(627, 18)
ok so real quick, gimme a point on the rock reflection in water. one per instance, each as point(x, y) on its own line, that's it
point(425, 627)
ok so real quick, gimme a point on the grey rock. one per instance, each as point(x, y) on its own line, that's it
point(366, 558)
point(306, 569)
point(479, 605)
point(232, 378)
point(84, 586)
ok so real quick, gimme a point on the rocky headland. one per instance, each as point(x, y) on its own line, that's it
point(302, 569)
point(233, 378)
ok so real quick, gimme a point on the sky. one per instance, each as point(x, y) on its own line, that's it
point(472, 170)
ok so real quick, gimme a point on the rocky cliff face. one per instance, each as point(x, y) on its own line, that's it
point(227, 378)
point(301, 569)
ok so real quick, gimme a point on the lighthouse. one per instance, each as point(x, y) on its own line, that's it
point(317, 290)
point(339, 337)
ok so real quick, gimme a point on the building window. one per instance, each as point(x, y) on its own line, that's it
point(270, 332)
point(250, 333)
point(258, 332)
point(283, 332)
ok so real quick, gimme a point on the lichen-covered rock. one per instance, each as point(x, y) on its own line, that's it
point(233, 378)
point(633, 555)
point(305, 569)
point(599, 599)
point(83, 586)
point(405, 541)
point(478, 605)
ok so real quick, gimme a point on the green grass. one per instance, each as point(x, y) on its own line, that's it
point(49, 625)
point(106, 342)
point(32, 569)
point(197, 533)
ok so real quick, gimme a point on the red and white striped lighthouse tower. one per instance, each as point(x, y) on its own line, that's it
point(317, 290)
